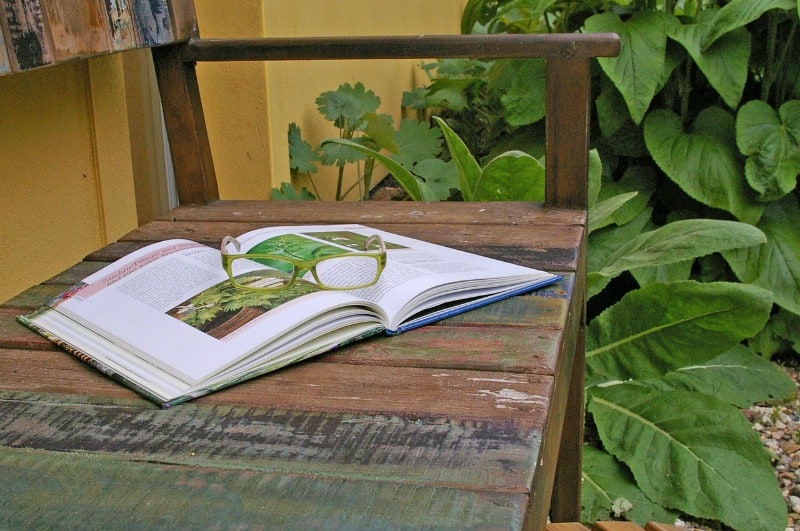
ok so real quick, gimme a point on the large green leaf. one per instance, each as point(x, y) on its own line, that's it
point(417, 141)
point(663, 327)
point(770, 140)
point(737, 14)
point(521, 83)
point(347, 105)
point(605, 242)
point(739, 377)
point(439, 176)
point(774, 265)
point(639, 179)
point(691, 452)
point(301, 155)
point(724, 63)
point(638, 69)
point(606, 482)
point(703, 162)
point(680, 241)
point(469, 171)
point(416, 189)
point(603, 212)
point(512, 176)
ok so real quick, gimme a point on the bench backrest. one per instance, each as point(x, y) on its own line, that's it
point(567, 85)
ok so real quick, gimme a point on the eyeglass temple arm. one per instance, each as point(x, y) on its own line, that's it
point(230, 240)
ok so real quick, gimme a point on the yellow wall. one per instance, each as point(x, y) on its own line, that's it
point(65, 179)
point(71, 137)
point(252, 104)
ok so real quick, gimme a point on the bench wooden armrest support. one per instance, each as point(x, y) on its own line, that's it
point(567, 87)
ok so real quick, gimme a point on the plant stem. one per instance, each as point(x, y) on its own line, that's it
point(770, 71)
point(339, 184)
point(685, 88)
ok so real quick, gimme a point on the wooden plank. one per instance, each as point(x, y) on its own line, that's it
point(316, 386)
point(15, 335)
point(75, 273)
point(34, 297)
point(55, 371)
point(567, 90)
point(550, 247)
point(28, 40)
point(566, 402)
point(495, 453)
point(195, 178)
point(552, 45)
point(453, 347)
point(368, 212)
point(49, 490)
point(77, 27)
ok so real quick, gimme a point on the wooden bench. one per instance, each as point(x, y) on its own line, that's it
point(475, 421)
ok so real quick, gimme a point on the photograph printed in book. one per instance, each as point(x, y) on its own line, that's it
point(28, 40)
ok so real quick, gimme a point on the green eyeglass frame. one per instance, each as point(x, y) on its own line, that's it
point(300, 266)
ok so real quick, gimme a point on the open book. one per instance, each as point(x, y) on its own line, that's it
point(169, 322)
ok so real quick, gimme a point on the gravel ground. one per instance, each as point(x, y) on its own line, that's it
point(778, 425)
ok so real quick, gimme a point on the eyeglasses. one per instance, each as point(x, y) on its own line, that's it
point(273, 272)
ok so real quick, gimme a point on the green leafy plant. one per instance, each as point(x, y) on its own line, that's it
point(694, 257)
point(511, 176)
point(353, 111)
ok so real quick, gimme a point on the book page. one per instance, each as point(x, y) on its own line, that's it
point(172, 305)
point(418, 275)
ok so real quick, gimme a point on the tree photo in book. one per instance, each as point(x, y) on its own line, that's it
point(271, 274)
point(177, 319)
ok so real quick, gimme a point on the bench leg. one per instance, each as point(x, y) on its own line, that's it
point(565, 504)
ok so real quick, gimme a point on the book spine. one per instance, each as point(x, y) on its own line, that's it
point(27, 39)
point(152, 22)
point(120, 24)
point(5, 64)
point(77, 28)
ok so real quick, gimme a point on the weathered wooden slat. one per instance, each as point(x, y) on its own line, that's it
point(15, 335)
point(34, 297)
point(553, 45)
point(315, 386)
point(369, 212)
point(56, 372)
point(40, 489)
point(546, 247)
point(454, 347)
point(490, 453)
point(75, 273)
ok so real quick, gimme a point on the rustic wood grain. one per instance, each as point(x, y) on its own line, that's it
point(474, 454)
point(77, 491)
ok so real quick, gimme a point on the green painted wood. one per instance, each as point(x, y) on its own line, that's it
point(41, 490)
point(34, 297)
point(76, 273)
point(496, 453)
